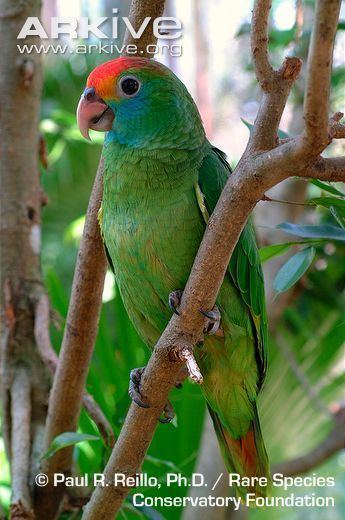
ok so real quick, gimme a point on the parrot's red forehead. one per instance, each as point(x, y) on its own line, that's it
point(103, 77)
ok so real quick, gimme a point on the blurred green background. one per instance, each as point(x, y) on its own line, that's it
point(306, 369)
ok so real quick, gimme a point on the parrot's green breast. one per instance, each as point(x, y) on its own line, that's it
point(152, 227)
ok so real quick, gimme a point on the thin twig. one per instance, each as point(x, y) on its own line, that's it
point(42, 335)
point(266, 198)
point(99, 419)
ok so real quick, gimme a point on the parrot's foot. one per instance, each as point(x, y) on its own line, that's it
point(135, 395)
point(186, 355)
point(134, 387)
point(212, 325)
point(168, 413)
point(174, 301)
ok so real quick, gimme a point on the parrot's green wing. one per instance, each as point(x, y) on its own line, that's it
point(245, 267)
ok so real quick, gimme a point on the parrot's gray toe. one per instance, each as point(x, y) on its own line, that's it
point(168, 413)
point(174, 301)
point(213, 321)
point(134, 387)
point(135, 395)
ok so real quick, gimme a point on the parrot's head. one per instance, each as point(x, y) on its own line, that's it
point(140, 103)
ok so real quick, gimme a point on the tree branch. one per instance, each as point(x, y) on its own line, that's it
point(259, 44)
point(255, 173)
point(332, 170)
point(76, 350)
point(275, 84)
point(333, 443)
point(24, 378)
point(20, 445)
point(139, 10)
point(316, 100)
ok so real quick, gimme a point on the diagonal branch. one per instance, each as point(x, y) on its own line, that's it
point(76, 350)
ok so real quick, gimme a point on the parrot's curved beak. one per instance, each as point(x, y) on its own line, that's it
point(94, 113)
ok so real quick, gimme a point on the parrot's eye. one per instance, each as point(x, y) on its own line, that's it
point(129, 86)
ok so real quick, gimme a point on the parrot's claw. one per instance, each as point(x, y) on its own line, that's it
point(174, 301)
point(168, 413)
point(135, 395)
point(213, 321)
point(134, 387)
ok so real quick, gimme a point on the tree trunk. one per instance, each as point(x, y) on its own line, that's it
point(24, 379)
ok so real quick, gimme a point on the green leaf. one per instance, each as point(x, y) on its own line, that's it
point(165, 464)
point(268, 252)
point(327, 187)
point(250, 126)
point(328, 202)
point(294, 269)
point(282, 134)
point(325, 231)
point(339, 218)
point(67, 439)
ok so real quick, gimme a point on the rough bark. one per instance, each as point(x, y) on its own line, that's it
point(264, 164)
point(24, 378)
point(138, 11)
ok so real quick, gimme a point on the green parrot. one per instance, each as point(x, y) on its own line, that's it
point(162, 179)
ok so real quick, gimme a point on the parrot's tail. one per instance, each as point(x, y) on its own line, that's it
point(246, 456)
